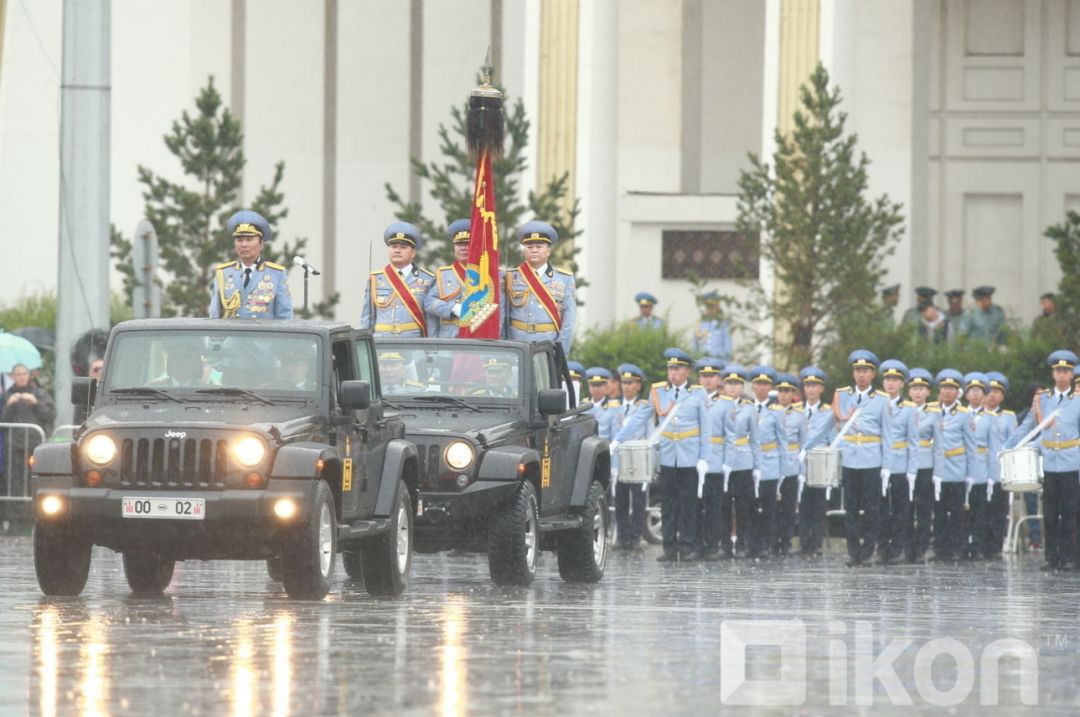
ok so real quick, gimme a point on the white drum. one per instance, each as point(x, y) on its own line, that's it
point(1020, 470)
point(823, 468)
point(639, 461)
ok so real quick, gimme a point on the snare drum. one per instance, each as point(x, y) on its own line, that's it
point(823, 468)
point(1020, 470)
point(639, 461)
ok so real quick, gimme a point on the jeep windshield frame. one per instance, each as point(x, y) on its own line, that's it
point(456, 370)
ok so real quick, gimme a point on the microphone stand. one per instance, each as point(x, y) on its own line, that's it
point(305, 288)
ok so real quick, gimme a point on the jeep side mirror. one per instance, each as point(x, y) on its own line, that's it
point(551, 401)
point(354, 395)
point(83, 391)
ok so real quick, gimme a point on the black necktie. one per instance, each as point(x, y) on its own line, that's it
point(1060, 396)
point(858, 400)
point(247, 277)
point(809, 414)
point(759, 408)
point(626, 410)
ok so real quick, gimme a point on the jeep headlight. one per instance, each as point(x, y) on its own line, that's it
point(459, 455)
point(249, 451)
point(101, 449)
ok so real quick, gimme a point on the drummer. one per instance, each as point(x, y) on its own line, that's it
point(983, 444)
point(1004, 426)
point(794, 426)
point(901, 460)
point(820, 422)
point(741, 458)
point(919, 380)
point(1059, 445)
point(862, 453)
point(951, 446)
point(630, 498)
point(713, 523)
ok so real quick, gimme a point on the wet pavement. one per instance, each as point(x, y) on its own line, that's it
point(649, 639)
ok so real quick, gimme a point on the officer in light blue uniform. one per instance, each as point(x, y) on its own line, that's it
point(384, 311)
point(685, 443)
point(820, 428)
point(794, 425)
point(952, 443)
point(646, 319)
point(742, 456)
point(445, 300)
point(773, 446)
point(863, 453)
point(1059, 444)
point(712, 335)
point(709, 370)
point(527, 317)
point(630, 498)
point(984, 441)
point(250, 288)
point(1005, 424)
point(919, 383)
point(597, 378)
point(577, 376)
point(901, 460)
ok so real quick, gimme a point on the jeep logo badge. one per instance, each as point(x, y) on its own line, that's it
point(175, 434)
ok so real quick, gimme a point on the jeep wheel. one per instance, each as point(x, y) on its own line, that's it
point(273, 568)
point(514, 539)
point(583, 551)
point(61, 559)
point(147, 573)
point(307, 560)
point(387, 557)
point(353, 560)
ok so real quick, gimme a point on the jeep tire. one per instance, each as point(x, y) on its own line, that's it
point(61, 559)
point(274, 569)
point(583, 550)
point(307, 559)
point(514, 539)
point(147, 573)
point(388, 556)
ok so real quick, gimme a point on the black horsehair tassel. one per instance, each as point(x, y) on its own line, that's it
point(484, 122)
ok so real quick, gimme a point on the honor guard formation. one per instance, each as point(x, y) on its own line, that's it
point(746, 459)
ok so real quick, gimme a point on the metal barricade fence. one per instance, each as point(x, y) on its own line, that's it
point(16, 460)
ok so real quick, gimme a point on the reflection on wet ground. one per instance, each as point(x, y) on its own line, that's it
point(646, 640)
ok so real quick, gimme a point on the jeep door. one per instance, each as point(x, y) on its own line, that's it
point(563, 435)
point(351, 439)
point(376, 431)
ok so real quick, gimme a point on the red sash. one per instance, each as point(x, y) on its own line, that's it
point(406, 297)
point(459, 269)
point(542, 293)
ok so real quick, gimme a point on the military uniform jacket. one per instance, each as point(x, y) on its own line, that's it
point(793, 420)
point(952, 441)
point(902, 455)
point(266, 296)
point(820, 425)
point(386, 314)
point(1004, 427)
point(984, 440)
point(603, 416)
point(1059, 443)
point(985, 325)
point(685, 439)
point(742, 451)
point(772, 442)
point(621, 414)
point(712, 337)
point(717, 407)
point(440, 301)
point(654, 323)
point(526, 317)
point(865, 444)
point(925, 420)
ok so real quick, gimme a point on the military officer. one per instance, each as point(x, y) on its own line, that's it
point(793, 424)
point(597, 379)
point(543, 304)
point(1059, 445)
point(984, 444)
point(773, 447)
point(684, 452)
point(392, 369)
point(1005, 424)
point(712, 500)
point(577, 375)
point(712, 335)
point(890, 296)
point(250, 288)
point(445, 300)
point(497, 384)
point(901, 460)
point(986, 320)
point(863, 453)
point(952, 443)
point(956, 319)
point(645, 318)
point(820, 427)
point(919, 383)
point(741, 459)
point(630, 498)
point(924, 296)
point(394, 296)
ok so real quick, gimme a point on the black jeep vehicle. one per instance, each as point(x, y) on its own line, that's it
point(508, 465)
point(214, 439)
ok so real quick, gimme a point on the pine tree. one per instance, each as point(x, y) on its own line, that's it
point(825, 240)
point(451, 181)
point(1066, 325)
point(190, 215)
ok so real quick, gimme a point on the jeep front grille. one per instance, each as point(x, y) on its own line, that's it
point(173, 463)
point(430, 460)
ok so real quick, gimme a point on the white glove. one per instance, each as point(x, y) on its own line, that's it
point(828, 493)
point(614, 474)
point(779, 483)
point(757, 482)
point(756, 473)
point(937, 488)
point(802, 484)
point(613, 446)
point(702, 469)
point(802, 456)
point(989, 489)
point(726, 469)
point(968, 482)
point(885, 474)
point(911, 486)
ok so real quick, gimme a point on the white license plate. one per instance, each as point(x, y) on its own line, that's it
point(169, 508)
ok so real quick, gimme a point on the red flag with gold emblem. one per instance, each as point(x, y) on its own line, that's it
point(480, 304)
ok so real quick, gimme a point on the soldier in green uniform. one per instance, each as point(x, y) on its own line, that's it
point(924, 296)
point(986, 321)
point(890, 297)
point(956, 319)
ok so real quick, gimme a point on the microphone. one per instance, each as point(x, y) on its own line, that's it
point(302, 263)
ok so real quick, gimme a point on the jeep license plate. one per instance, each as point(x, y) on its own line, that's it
point(170, 508)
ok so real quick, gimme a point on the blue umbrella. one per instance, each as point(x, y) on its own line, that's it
point(15, 350)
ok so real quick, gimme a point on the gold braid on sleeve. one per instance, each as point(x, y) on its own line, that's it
point(231, 305)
